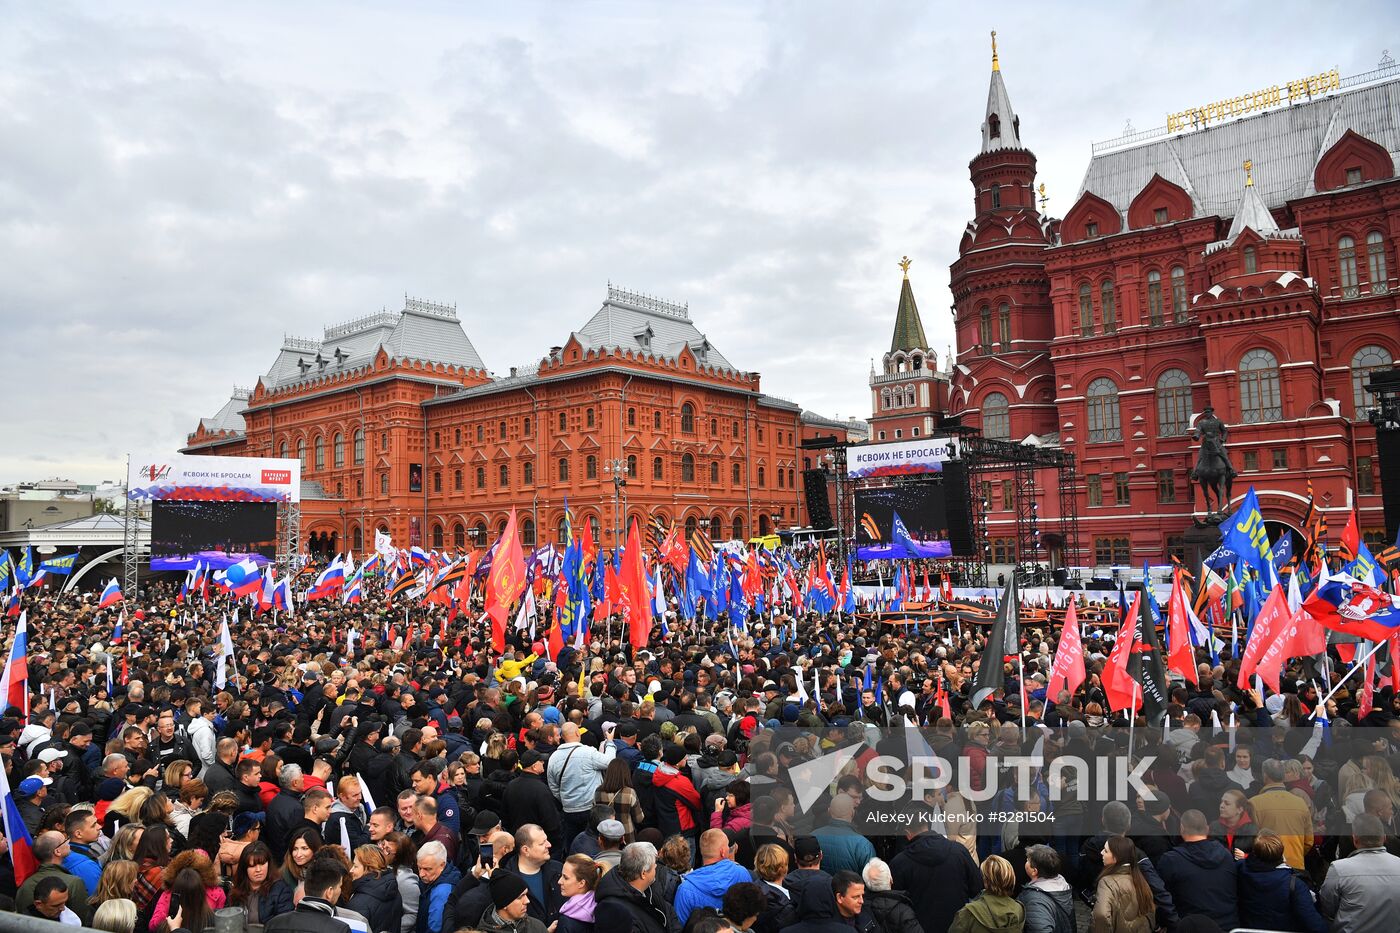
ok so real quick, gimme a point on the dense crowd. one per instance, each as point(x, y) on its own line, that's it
point(415, 781)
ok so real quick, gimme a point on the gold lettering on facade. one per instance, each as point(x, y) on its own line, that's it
point(1293, 92)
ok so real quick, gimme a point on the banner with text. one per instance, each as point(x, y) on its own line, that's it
point(213, 479)
point(901, 458)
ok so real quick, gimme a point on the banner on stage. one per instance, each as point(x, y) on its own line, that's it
point(901, 458)
point(213, 479)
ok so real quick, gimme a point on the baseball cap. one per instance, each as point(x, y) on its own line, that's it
point(32, 785)
point(807, 847)
point(529, 758)
point(52, 754)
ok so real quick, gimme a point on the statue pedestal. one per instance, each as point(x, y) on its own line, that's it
point(1201, 541)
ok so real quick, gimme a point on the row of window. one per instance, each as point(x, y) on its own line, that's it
point(898, 397)
point(478, 535)
point(785, 478)
point(1107, 317)
point(590, 421)
point(1375, 265)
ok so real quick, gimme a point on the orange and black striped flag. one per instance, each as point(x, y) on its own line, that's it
point(406, 582)
point(702, 547)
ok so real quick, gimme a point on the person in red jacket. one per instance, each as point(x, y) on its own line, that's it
point(677, 800)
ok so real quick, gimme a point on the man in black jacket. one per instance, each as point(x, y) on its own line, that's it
point(316, 912)
point(625, 903)
point(527, 799)
point(532, 863)
point(284, 810)
point(931, 856)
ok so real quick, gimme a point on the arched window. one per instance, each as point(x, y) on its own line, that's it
point(689, 527)
point(320, 453)
point(457, 437)
point(338, 450)
point(885, 399)
point(459, 536)
point(1367, 360)
point(1259, 396)
point(479, 533)
point(590, 467)
point(359, 447)
point(916, 362)
point(1173, 403)
point(357, 540)
point(1251, 260)
point(716, 527)
point(779, 473)
point(301, 453)
point(1375, 262)
point(505, 475)
point(737, 475)
point(562, 536)
point(563, 469)
point(525, 429)
point(631, 417)
point(527, 533)
point(437, 537)
point(1109, 306)
point(1346, 266)
point(909, 397)
point(984, 329)
point(588, 417)
point(657, 470)
point(1154, 299)
point(687, 468)
point(993, 132)
point(714, 427)
point(563, 421)
point(481, 477)
point(457, 480)
point(762, 479)
point(714, 472)
point(738, 529)
point(1086, 310)
point(687, 418)
point(501, 430)
point(996, 416)
point(792, 475)
point(437, 481)
point(1178, 295)
point(282, 450)
point(1104, 424)
point(656, 420)
point(631, 466)
point(528, 472)
point(1004, 326)
point(437, 440)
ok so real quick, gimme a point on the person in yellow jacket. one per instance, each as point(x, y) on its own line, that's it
point(509, 668)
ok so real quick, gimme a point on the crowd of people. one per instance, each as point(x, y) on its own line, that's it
point(435, 786)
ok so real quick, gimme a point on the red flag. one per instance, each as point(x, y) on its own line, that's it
point(1119, 687)
point(1068, 670)
point(632, 586)
point(1351, 539)
point(1181, 657)
point(1269, 625)
point(585, 543)
point(1368, 692)
point(504, 583)
point(674, 549)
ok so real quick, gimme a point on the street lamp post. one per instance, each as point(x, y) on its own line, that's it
point(617, 469)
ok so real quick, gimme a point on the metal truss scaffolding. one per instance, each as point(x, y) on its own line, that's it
point(289, 519)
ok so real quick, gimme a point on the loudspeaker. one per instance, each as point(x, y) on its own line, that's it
point(1388, 453)
point(1060, 575)
point(818, 503)
point(958, 510)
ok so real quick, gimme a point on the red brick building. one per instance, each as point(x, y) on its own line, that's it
point(399, 425)
point(1183, 278)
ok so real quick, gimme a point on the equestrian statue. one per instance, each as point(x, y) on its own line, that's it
point(1213, 470)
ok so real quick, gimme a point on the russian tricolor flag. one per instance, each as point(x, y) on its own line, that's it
point(21, 846)
point(282, 595)
point(417, 556)
point(14, 679)
point(354, 591)
point(330, 580)
point(111, 595)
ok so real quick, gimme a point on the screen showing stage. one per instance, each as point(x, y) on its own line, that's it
point(902, 521)
point(217, 533)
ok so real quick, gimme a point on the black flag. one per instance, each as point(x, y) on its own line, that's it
point(1145, 665)
point(1005, 641)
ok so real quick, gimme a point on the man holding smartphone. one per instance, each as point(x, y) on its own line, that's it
point(574, 774)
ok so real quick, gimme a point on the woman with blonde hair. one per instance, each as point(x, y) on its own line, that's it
point(118, 881)
point(376, 890)
point(125, 809)
point(176, 774)
point(124, 843)
point(117, 915)
point(996, 909)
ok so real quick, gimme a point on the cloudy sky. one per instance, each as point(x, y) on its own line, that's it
point(181, 184)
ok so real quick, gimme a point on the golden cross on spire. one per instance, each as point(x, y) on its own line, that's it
point(904, 264)
point(996, 66)
point(1248, 173)
point(1044, 198)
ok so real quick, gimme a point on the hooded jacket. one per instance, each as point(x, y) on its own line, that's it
point(892, 911)
point(1201, 877)
point(354, 826)
point(1275, 898)
point(621, 908)
point(705, 887)
point(433, 900)
point(989, 913)
point(1049, 904)
point(959, 879)
point(377, 898)
point(677, 801)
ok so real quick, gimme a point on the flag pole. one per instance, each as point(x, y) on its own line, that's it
point(1358, 665)
point(1021, 660)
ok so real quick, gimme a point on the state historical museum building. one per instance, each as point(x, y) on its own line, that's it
point(399, 426)
point(1250, 266)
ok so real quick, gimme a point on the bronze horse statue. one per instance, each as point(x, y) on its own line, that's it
point(1214, 473)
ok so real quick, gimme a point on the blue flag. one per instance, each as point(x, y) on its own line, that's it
point(1244, 534)
point(60, 565)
